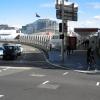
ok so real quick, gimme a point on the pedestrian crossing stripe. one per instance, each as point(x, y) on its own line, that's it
point(1, 96)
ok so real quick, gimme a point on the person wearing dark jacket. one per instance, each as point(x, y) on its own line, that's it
point(68, 50)
point(88, 55)
point(90, 59)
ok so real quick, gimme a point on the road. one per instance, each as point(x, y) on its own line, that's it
point(30, 77)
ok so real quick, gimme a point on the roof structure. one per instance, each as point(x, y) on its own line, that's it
point(85, 32)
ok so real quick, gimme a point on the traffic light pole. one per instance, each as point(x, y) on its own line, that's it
point(65, 13)
point(62, 46)
point(64, 40)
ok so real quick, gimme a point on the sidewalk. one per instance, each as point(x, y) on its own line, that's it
point(75, 61)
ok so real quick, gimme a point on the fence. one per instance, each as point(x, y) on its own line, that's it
point(42, 41)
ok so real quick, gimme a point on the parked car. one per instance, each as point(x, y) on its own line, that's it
point(10, 52)
point(1, 51)
point(18, 50)
point(20, 46)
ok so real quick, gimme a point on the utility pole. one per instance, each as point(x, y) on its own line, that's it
point(66, 43)
point(62, 46)
point(65, 13)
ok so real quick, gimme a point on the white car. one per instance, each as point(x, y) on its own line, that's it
point(55, 41)
point(1, 51)
point(19, 45)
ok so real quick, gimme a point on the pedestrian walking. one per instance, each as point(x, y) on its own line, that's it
point(71, 49)
point(87, 43)
point(50, 47)
point(88, 55)
point(91, 60)
point(68, 50)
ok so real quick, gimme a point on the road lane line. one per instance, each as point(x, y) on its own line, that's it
point(45, 82)
point(5, 69)
point(37, 75)
point(25, 68)
point(1, 96)
point(98, 83)
point(0, 70)
point(65, 73)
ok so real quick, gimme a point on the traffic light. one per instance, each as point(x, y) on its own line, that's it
point(60, 27)
point(61, 36)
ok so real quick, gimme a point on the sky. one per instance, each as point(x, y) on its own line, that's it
point(21, 12)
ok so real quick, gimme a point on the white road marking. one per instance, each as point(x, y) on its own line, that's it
point(98, 83)
point(1, 96)
point(6, 67)
point(0, 70)
point(45, 82)
point(48, 86)
point(65, 73)
point(37, 75)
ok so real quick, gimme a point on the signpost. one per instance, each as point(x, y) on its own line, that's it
point(70, 12)
point(65, 13)
point(67, 7)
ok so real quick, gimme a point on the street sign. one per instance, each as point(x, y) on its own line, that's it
point(72, 18)
point(70, 12)
point(67, 15)
point(59, 12)
point(69, 8)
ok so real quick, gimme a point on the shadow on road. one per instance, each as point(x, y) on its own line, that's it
point(29, 60)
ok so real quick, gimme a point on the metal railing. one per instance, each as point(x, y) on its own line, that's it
point(39, 41)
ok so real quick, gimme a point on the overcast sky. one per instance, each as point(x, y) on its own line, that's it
point(22, 12)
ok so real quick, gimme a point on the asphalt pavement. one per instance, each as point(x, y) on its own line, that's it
point(43, 81)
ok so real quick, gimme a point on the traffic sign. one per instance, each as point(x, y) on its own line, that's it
point(72, 16)
point(59, 12)
point(69, 8)
point(65, 11)
point(70, 12)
